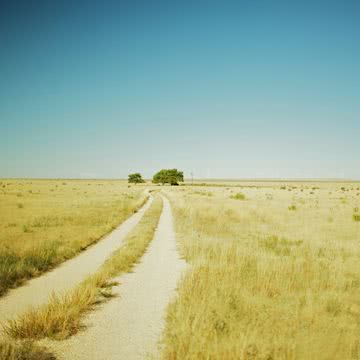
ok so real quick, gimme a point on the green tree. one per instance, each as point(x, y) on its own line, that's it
point(135, 178)
point(168, 176)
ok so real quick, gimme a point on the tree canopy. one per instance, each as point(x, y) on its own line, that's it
point(135, 178)
point(168, 176)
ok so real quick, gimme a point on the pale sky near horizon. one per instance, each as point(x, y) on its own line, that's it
point(223, 89)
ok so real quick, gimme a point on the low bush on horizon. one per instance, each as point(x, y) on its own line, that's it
point(238, 196)
point(168, 176)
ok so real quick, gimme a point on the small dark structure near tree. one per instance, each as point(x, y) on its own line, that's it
point(168, 176)
point(135, 178)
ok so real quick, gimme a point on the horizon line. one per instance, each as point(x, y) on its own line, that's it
point(194, 179)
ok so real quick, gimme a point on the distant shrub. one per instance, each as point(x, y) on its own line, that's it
point(20, 206)
point(238, 196)
point(283, 187)
point(356, 217)
point(26, 229)
point(356, 209)
point(168, 176)
point(292, 207)
point(135, 178)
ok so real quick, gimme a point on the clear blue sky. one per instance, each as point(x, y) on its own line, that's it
point(221, 88)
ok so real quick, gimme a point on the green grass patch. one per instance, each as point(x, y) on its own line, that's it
point(238, 196)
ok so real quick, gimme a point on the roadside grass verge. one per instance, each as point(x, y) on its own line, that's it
point(265, 284)
point(62, 316)
point(24, 350)
point(56, 221)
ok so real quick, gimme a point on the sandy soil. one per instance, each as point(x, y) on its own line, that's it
point(37, 291)
point(129, 325)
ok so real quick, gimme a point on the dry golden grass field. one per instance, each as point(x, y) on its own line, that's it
point(44, 222)
point(275, 272)
point(274, 267)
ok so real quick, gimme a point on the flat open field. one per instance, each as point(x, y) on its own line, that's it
point(275, 272)
point(44, 222)
point(273, 269)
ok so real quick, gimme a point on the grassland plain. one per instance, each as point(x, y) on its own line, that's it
point(61, 317)
point(45, 222)
point(275, 272)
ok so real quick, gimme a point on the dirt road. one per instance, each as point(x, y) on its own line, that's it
point(129, 326)
point(37, 291)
